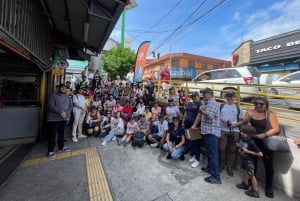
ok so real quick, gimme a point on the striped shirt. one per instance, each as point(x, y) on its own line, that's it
point(211, 124)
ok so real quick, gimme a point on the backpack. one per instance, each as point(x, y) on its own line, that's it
point(138, 139)
point(237, 107)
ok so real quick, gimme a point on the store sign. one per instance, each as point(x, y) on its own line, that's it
point(276, 47)
point(186, 73)
point(57, 72)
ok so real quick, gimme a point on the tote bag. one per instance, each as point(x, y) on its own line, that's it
point(277, 143)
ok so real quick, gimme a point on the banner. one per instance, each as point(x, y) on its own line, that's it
point(140, 61)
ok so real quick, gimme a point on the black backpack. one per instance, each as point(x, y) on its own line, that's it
point(138, 139)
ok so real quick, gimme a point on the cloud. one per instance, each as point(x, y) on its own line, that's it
point(237, 16)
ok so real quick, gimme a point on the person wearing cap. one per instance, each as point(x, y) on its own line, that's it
point(93, 122)
point(175, 140)
point(231, 113)
point(79, 112)
point(158, 139)
point(209, 114)
point(189, 117)
point(155, 110)
point(58, 113)
point(172, 110)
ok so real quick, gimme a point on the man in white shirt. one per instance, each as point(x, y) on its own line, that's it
point(130, 76)
point(159, 138)
point(79, 112)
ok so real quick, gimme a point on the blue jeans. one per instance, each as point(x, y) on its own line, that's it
point(112, 134)
point(175, 154)
point(211, 145)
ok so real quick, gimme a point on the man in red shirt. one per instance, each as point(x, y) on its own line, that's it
point(164, 78)
point(127, 110)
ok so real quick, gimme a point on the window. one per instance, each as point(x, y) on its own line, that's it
point(175, 63)
point(191, 64)
point(204, 66)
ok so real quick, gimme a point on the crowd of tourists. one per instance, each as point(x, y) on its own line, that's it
point(115, 110)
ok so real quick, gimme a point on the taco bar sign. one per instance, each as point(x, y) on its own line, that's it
point(276, 47)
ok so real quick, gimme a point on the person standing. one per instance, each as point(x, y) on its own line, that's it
point(130, 76)
point(164, 78)
point(231, 113)
point(210, 129)
point(189, 117)
point(260, 117)
point(59, 109)
point(79, 112)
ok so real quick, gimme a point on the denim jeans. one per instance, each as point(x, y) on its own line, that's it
point(112, 134)
point(211, 145)
point(56, 128)
point(175, 154)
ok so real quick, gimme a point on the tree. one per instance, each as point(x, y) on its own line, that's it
point(118, 61)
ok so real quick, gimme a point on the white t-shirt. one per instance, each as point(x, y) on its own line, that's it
point(80, 100)
point(230, 112)
point(172, 112)
point(162, 127)
point(130, 76)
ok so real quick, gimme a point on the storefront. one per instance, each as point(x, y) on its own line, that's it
point(278, 54)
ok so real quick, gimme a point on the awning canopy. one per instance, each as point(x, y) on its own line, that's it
point(83, 26)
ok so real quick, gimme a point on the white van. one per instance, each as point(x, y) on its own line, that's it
point(227, 77)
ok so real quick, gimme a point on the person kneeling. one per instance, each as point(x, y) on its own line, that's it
point(175, 140)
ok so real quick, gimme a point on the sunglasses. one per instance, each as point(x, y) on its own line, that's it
point(261, 104)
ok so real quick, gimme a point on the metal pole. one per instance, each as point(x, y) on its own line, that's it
point(123, 29)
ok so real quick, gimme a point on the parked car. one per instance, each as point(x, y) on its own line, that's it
point(292, 79)
point(228, 77)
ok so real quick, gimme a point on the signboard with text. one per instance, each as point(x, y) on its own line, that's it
point(183, 73)
point(285, 46)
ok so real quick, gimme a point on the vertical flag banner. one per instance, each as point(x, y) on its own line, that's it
point(140, 61)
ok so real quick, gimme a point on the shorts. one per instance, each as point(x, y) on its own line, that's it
point(248, 165)
point(156, 136)
point(93, 125)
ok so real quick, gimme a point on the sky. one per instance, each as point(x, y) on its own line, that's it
point(212, 28)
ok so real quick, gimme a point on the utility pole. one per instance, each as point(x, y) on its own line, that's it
point(123, 29)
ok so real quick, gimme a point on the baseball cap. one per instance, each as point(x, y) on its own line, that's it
point(230, 93)
point(175, 119)
point(207, 91)
point(63, 85)
point(195, 93)
point(185, 98)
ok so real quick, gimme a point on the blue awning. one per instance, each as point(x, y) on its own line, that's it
point(278, 68)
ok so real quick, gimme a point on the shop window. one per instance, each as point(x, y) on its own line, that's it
point(175, 63)
point(18, 90)
point(204, 66)
point(191, 64)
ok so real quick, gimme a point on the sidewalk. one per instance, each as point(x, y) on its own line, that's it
point(121, 174)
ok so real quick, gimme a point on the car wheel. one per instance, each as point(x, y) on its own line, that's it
point(274, 91)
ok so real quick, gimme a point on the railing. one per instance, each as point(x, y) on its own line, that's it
point(248, 92)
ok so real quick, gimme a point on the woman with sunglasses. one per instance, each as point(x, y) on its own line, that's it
point(258, 117)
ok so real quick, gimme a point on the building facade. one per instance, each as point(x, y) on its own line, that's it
point(279, 54)
point(182, 66)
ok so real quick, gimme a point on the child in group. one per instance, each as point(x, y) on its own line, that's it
point(248, 151)
point(132, 127)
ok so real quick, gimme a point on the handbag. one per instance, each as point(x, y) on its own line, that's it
point(277, 143)
point(193, 134)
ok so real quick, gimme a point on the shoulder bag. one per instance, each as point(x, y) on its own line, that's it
point(278, 142)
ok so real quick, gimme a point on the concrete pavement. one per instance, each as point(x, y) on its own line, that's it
point(121, 174)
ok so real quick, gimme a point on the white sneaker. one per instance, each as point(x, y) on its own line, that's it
point(82, 136)
point(195, 164)
point(74, 139)
point(192, 159)
point(104, 143)
point(154, 145)
point(114, 138)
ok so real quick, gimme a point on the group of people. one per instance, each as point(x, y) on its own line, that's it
point(117, 109)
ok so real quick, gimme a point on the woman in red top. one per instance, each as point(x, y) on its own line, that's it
point(127, 110)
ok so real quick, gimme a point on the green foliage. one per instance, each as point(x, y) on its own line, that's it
point(118, 61)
